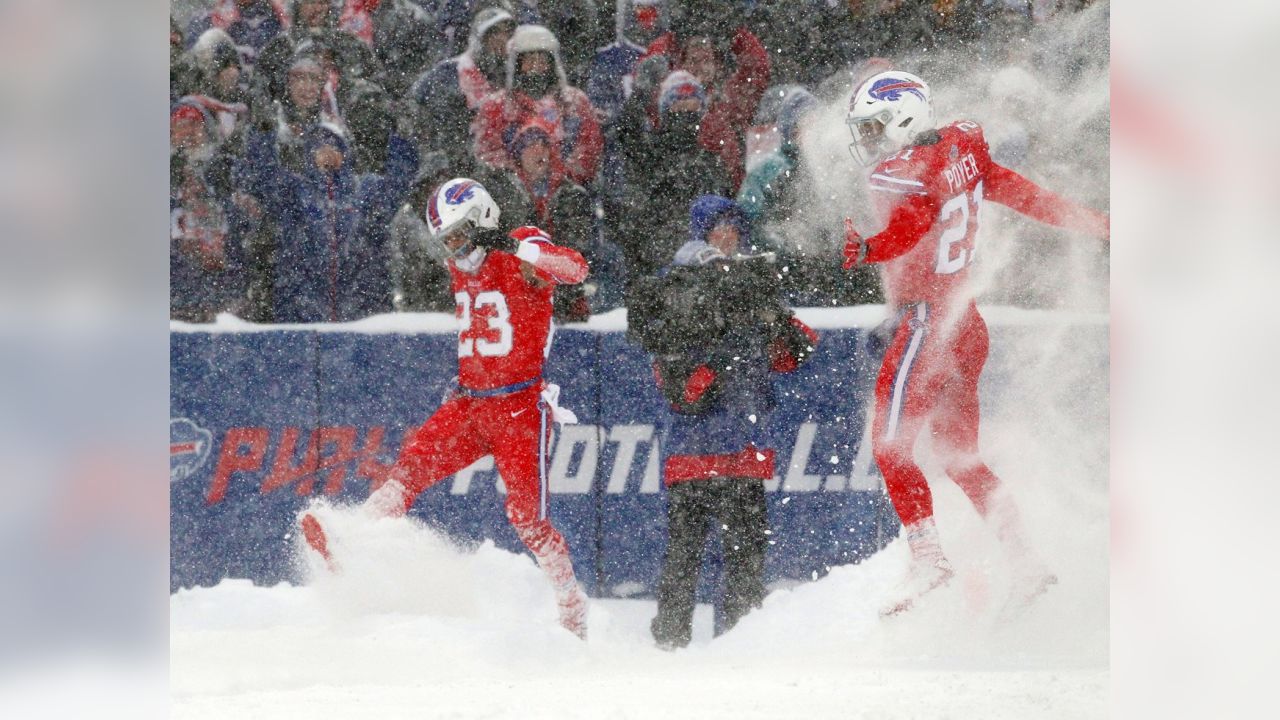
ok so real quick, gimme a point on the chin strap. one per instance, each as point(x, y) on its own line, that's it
point(471, 262)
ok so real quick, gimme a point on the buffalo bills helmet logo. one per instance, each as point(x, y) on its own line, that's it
point(433, 213)
point(460, 193)
point(189, 447)
point(892, 89)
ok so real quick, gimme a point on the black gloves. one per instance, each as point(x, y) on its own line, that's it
point(495, 239)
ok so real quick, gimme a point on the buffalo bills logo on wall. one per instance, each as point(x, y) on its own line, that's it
point(460, 193)
point(892, 89)
point(189, 447)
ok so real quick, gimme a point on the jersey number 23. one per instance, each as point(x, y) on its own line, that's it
point(492, 340)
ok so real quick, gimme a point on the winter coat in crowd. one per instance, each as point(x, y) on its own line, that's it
point(561, 207)
point(343, 57)
point(733, 95)
point(332, 254)
point(449, 95)
point(250, 24)
point(206, 231)
point(182, 70)
point(307, 102)
point(220, 83)
point(611, 82)
point(576, 24)
point(809, 41)
point(667, 169)
point(402, 34)
point(547, 95)
point(889, 27)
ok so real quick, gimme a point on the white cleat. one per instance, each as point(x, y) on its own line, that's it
point(1027, 589)
point(573, 612)
point(924, 577)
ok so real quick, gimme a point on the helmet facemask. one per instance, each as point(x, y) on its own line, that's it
point(457, 242)
point(869, 141)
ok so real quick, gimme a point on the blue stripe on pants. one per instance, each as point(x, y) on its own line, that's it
point(898, 398)
point(542, 461)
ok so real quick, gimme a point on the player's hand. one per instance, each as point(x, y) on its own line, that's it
point(495, 239)
point(855, 246)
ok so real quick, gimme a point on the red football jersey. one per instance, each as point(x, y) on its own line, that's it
point(950, 174)
point(933, 194)
point(504, 318)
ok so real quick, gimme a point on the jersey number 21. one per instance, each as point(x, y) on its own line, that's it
point(957, 243)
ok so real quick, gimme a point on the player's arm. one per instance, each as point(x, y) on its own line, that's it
point(561, 265)
point(1013, 190)
point(909, 220)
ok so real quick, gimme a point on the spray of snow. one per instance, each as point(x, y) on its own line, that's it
point(414, 625)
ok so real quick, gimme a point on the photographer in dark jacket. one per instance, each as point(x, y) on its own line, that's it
point(717, 330)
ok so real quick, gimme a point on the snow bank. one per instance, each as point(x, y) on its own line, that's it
point(414, 626)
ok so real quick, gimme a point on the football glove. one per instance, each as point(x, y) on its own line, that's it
point(495, 239)
point(855, 246)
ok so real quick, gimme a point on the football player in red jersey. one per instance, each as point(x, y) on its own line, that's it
point(503, 285)
point(930, 182)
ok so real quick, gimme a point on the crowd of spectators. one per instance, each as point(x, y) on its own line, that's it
point(306, 135)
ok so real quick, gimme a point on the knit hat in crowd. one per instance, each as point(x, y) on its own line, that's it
point(532, 131)
point(326, 133)
point(210, 50)
point(680, 85)
point(185, 111)
point(224, 56)
point(487, 19)
point(305, 61)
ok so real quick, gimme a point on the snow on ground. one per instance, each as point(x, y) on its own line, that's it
point(413, 627)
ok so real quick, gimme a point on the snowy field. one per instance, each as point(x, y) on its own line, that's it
point(416, 628)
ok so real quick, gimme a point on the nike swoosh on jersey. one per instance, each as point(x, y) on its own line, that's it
point(517, 412)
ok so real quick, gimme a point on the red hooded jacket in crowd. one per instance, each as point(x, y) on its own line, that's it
point(566, 110)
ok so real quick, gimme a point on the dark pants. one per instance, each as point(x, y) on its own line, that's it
point(738, 506)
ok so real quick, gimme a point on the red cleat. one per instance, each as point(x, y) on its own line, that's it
point(315, 536)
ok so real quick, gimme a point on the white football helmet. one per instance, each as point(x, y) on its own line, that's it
point(455, 210)
point(886, 113)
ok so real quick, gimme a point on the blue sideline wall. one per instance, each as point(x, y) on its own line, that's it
point(264, 418)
